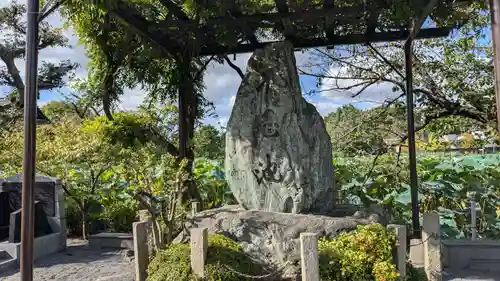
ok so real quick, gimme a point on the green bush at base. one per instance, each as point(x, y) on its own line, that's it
point(361, 255)
point(174, 264)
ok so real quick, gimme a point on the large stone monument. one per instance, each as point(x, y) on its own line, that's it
point(280, 169)
point(278, 153)
point(50, 218)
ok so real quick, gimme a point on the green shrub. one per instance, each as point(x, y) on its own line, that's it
point(415, 274)
point(73, 219)
point(361, 255)
point(118, 213)
point(214, 189)
point(174, 264)
point(110, 213)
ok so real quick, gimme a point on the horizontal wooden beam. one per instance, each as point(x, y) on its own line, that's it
point(247, 31)
point(141, 27)
point(337, 40)
point(342, 14)
point(421, 17)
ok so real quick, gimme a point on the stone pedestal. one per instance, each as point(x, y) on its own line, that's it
point(50, 205)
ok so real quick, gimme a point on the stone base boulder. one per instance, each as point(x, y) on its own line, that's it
point(272, 237)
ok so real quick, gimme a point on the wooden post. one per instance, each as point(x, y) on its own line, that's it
point(309, 256)
point(199, 245)
point(432, 246)
point(400, 231)
point(141, 249)
point(195, 208)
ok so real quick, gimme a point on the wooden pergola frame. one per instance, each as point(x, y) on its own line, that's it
point(168, 34)
point(184, 38)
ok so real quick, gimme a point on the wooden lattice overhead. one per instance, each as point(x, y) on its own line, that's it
point(206, 27)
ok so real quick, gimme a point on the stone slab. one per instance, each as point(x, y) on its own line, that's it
point(269, 235)
point(112, 240)
point(42, 224)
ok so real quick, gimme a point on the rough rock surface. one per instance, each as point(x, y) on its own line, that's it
point(278, 153)
point(270, 236)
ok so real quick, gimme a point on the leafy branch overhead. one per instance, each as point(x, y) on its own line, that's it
point(452, 76)
point(122, 59)
point(12, 47)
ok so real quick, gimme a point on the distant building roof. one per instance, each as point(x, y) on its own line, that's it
point(4, 102)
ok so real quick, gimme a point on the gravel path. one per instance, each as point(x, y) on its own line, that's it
point(472, 276)
point(81, 263)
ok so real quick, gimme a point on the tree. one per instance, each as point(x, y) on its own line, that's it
point(59, 110)
point(354, 131)
point(452, 76)
point(12, 47)
point(208, 142)
point(123, 58)
point(77, 153)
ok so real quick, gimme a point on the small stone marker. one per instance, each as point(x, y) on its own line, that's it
point(195, 208)
point(199, 245)
point(432, 246)
point(309, 256)
point(141, 249)
point(400, 231)
point(144, 215)
point(417, 253)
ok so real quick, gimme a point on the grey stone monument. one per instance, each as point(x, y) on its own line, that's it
point(278, 153)
point(50, 212)
point(42, 225)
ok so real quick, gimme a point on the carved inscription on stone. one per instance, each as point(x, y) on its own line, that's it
point(269, 124)
point(268, 171)
point(237, 174)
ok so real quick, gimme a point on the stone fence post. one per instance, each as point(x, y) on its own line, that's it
point(141, 249)
point(144, 215)
point(199, 245)
point(400, 255)
point(431, 232)
point(195, 208)
point(309, 256)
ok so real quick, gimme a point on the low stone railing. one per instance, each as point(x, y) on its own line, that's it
point(308, 251)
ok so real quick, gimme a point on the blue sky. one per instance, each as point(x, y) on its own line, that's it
point(221, 81)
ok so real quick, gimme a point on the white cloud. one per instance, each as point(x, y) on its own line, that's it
point(232, 100)
point(131, 99)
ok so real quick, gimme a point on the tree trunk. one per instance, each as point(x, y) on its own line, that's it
point(188, 110)
point(85, 217)
point(84, 225)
